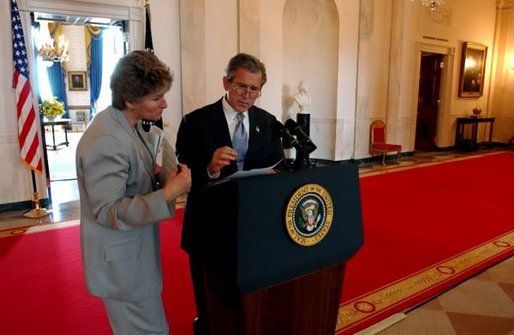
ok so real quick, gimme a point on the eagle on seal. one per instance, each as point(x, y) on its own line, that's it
point(310, 216)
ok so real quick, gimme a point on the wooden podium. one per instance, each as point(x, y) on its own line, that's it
point(263, 277)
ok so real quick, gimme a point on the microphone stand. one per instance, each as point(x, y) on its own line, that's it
point(37, 211)
point(302, 160)
point(301, 143)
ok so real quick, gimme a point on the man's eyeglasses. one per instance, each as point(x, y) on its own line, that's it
point(242, 89)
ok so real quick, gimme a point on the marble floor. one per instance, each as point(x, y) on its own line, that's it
point(483, 305)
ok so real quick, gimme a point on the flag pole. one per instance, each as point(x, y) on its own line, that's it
point(28, 134)
point(37, 211)
point(149, 47)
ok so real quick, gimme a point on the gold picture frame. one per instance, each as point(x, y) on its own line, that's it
point(77, 80)
point(472, 71)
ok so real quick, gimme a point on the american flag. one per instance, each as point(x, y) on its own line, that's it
point(28, 133)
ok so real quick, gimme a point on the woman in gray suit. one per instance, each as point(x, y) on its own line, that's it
point(122, 201)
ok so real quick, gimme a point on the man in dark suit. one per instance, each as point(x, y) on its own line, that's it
point(215, 142)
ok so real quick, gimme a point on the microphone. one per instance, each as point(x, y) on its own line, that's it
point(279, 129)
point(305, 141)
point(147, 124)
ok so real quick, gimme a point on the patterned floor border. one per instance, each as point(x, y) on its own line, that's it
point(37, 228)
point(360, 310)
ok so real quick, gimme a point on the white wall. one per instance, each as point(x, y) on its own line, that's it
point(165, 23)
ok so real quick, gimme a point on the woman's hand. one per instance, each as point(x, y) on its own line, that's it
point(178, 183)
point(157, 169)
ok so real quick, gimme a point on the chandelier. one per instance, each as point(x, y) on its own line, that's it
point(53, 52)
point(431, 4)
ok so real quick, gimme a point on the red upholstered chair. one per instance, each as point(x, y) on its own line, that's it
point(378, 144)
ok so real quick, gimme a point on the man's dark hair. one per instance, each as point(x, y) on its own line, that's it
point(248, 62)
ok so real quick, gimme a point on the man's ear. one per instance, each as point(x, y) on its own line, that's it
point(226, 83)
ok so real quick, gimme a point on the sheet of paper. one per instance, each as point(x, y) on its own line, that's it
point(253, 172)
point(158, 136)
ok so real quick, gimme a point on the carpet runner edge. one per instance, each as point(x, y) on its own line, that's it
point(405, 293)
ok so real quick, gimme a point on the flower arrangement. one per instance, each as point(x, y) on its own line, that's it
point(52, 108)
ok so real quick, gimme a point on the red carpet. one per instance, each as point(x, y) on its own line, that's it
point(419, 224)
point(43, 289)
point(42, 286)
point(420, 218)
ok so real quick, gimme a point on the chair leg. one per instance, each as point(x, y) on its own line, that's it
point(398, 158)
point(383, 158)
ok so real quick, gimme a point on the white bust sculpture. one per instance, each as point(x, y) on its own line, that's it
point(303, 98)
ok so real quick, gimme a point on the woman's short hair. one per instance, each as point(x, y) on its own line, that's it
point(248, 62)
point(136, 75)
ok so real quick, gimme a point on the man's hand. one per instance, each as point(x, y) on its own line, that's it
point(221, 158)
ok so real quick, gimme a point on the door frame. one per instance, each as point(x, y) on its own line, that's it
point(426, 141)
point(445, 91)
point(130, 11)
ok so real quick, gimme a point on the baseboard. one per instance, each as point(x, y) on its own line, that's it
point(360, 161)
point(22, 205)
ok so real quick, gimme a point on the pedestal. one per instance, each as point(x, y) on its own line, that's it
point(304, 120)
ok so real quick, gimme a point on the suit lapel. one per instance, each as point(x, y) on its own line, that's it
point(220, 126)
point(138, 141)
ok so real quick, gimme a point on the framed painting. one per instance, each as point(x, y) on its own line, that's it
point(471, 84)
point(77, 80)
